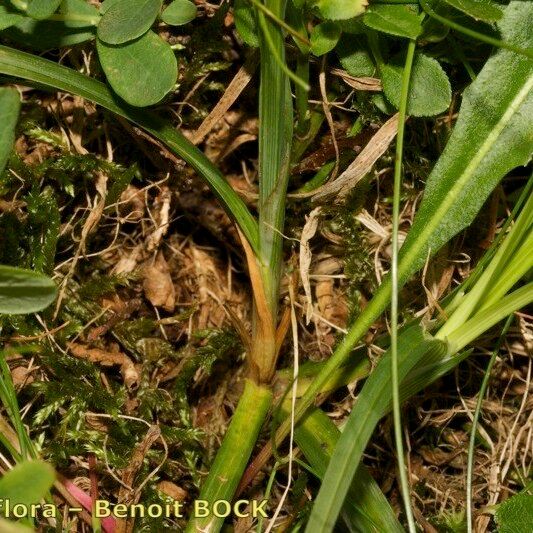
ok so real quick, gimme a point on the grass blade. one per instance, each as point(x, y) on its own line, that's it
point(41, 71)
point(404, 482)
point(373, 402)
point(487, 142)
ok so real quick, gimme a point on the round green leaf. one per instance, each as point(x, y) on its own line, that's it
point(24, 291)
point(324, 37)
point(246, 23)
point(126, 20)
point(430, 92)
point(42, 9)
point(486, 10)
point(27, 483)
point(80, 19)
point(393, 19)
point(179, 12)
point(141, 72)
point(340, 9)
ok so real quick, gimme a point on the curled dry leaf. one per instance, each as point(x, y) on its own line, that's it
point(157, 284)
point(308, 232)
point(129, 372)
point(361, 165)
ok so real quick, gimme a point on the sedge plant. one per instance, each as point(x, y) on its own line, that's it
point(489, 139)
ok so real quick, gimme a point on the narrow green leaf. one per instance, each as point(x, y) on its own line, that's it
point(132, 72)
point(493, 134)
point(324, 37)
point(126, 20)
point(373, 402)
point(42, 9)
point(399, 20)
point(27, 483)
point(9, 113)
point(366, 508)
point(44, 72)
point(230, 461)
point(246, 22)
point(179, 12)
point(24, 291)
point(430, 92)
point(77, 24)
point(515, 514)
point(340, 9)
point(486, 10)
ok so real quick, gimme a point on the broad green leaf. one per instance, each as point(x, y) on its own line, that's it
point(127, 19)
point(493, 135)
point(24, 291)
point(9, 111)
point(179, 12)
point(486, 10)
point(44, 72)
point(106, 4)
point(340, 9)
point(324, 37)
point(79, 26)
point(393, 19)
point(8, 19)
point(27, 483)
point(42, 9)
point(132, 72)
point(7, 526)
point(430, 92)
point(515, 514)
point(366, 508)
point(373, 402)
point(246, 22)
point(354, 56)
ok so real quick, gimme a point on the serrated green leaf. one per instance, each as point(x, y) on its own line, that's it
point(486, 10)
point(79, 26)
point(179, 12)
point(515, 514)
point(397, 20)
point(354, 56)
point(246, 23)
point(9, 113)
point(42, 9)
point(132, 72)
point(324, 37)
point(340, 9)
point(430, 92)
point(24, 291)
point(27, 483)
point(127, 20)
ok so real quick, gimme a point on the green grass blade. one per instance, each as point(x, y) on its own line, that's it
point(366, 508)
point(395, 288)
point(473, 430)
point(373, 402)
point(41, 71)
point(491, 137)
point(275, 139)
